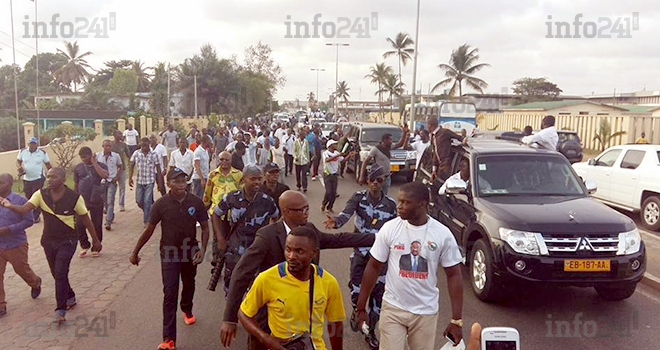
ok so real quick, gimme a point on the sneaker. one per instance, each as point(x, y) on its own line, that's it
point(83, 253)
point(108, 227)
point(71, 303)
point(305, 190)
point(95, 254)
point(59, 317)
point(122, 209)
point(354, 322)
point(3, 311)
point(36, 291)
point(189, 319)
point(299, 188)
point(322, 208)
point(167, 345)
point(372, 341)
point(313, 178)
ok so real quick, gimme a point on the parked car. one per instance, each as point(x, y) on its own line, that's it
point(365, 136)
point(525, 217)
point(569, 143)
point(628, 177)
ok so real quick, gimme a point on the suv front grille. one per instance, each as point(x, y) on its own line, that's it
point(574, 244)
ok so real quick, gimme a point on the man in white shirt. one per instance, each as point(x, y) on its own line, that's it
point(250, 156)
point(464, 174)
point(331, 158)
point(182, 158)
point(547, 138)
point(115, 166)
point(160, 150)
point(201, 169)
point(289, 138)
point(419, 146)
point(278, 156)
point(413, 246)
point(131, 137)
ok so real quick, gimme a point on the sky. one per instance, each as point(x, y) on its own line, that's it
point(511, 36)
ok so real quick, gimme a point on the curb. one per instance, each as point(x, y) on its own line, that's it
point(651, 281)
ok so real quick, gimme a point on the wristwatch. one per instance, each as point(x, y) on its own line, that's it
point(458, 322)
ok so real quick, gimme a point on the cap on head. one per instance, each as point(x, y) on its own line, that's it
point(174, 173)
point(33, 139)
point(271, 167)
point(251, 170)
point(330, 143)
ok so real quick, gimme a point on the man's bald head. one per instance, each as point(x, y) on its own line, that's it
point(292, 199)
point(295, 208)
point(6, 177)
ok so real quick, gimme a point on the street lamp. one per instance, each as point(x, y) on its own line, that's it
point(317, 79)
point(336, 65)
point(414, 82)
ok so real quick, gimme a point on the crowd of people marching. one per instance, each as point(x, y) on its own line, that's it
point(261, 240)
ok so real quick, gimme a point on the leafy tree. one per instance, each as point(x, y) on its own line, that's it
point(378, 74)
point(8, 136)
point(462, 64)
point(535, 89)
point(158, 97)
point(342, 92)
point(258, 60)
point(124, 82)
point(401, 49)
point(65, 140)
point(311, 100)
point(605, 135)
point(74, 69)
point(392, 86)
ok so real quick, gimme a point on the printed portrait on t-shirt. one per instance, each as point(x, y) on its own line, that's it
point(413, 265)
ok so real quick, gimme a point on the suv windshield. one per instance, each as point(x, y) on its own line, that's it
point(526, 175)
point(327, 126)
point(373, 136)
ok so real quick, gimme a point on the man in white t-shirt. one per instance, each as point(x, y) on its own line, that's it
point(419, 146)
point(131, 137)
point(413, 246)
point(183, 159)
point(160, 150)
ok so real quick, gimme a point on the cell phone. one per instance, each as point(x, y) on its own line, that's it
point(450, 338)
point(500, 338)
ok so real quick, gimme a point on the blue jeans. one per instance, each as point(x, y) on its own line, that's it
point(59, 255)
point(144, 197)
point(110, 203)
point(197, 188)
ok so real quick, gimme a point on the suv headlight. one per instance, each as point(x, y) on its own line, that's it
point(520, 241)
point(411, 155)
point(629, 242)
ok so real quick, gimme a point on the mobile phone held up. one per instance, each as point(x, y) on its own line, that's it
point(500, 338)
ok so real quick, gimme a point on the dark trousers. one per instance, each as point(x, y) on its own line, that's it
point(177, 265)
point(132, 149)
point(59, 255)
point(315, 163)
point(301, 175)
point(288, 159)
point(96, 214)
point(358, 265)
point(331, 182)
point(30, 187)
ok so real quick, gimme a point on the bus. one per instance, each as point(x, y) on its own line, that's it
point(455, 116)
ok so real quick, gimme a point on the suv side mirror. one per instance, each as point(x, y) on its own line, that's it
point(591, 186)
point(456, 186)
point(591, 161)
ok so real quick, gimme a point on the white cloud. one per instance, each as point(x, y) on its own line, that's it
point(510, 36)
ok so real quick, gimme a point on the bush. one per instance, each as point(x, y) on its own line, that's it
point(8, 138)
point(65, 142)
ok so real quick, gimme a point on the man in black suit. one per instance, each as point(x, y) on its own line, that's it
point(414, 262)
point(268, 250)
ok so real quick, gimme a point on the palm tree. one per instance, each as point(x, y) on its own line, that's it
point(143, 76)
point(392, 86)
point(461, 66)
point(342, 92)
point(311, 99)
point(378, 74)
point(401, 48)
point(605, 135)
point(74, 70)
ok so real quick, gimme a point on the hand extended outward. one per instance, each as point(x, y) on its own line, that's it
point(329, 222)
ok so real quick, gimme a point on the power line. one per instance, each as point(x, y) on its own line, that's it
point(9, 46)
point(5, 33)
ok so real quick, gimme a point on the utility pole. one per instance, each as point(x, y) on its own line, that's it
point(317, 80)
point(414, 82)
point(13, 47)
point(336, 66)
point(36, 97)
point(195, 81)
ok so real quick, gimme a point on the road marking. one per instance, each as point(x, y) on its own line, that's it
point(648, 234)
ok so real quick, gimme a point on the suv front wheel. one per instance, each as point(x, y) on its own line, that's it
point(650, 213)
point(482, 277)
point(617, 291)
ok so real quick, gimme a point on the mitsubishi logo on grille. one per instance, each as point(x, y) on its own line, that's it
point(584, 244)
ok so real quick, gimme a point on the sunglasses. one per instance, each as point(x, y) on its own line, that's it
point(300, 210)
point(379, 179)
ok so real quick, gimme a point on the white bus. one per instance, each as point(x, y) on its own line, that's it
point(455, 116)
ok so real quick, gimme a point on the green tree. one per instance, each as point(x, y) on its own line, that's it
point(258, 59)
point(123, 82)
point(8, 136)
point(462, 64)
point(74, 69)
point(158, 97)
point(378, 74)
point(65, 140)
point(605, 135)
point(535, 89)
point(393, 87)
point(311, 100)
point(342, 92)
point(401, 49)
point(142, 75)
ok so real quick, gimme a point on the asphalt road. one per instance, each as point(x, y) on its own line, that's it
point(541, 316)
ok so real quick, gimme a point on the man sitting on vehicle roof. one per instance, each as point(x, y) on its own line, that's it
point(547, 138)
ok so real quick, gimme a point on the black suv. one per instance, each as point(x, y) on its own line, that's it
point(524, 217)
